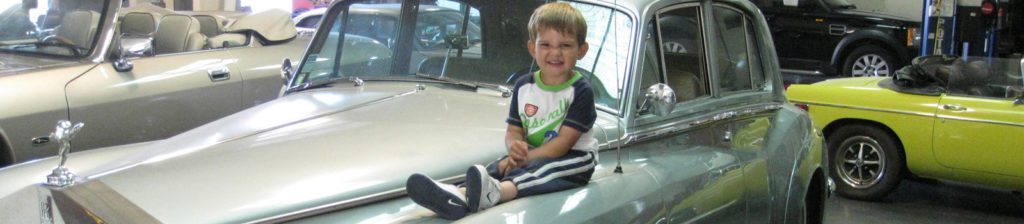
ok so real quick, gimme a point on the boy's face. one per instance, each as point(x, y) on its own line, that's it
point(556, 52)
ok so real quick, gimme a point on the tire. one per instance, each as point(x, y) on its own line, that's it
point(865, 162)
point(869, 60)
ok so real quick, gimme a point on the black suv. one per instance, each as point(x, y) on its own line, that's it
point(832, 37)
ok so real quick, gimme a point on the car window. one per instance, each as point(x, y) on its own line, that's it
point(67, 29)
point(309, 22)
point(610, 35)
point(378, 27)
point(736, 72)
point(681, 42)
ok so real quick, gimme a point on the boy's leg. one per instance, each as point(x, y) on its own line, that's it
point(569, 171)
point(544, 176)
point(444, 199)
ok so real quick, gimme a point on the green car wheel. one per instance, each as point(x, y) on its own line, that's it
point(865, 162)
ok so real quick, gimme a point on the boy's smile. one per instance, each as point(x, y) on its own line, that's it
point(556, 54)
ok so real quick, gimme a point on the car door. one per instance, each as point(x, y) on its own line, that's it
point(981, 133)
point(801, 32)
point(161, 96)
point(701, 178)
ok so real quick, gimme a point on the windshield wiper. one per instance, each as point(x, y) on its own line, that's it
point(505, 91)
point(318, 84)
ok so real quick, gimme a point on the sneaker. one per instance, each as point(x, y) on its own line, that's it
point(482, 190)
point(443, 199)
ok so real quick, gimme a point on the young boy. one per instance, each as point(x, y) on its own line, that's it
point(550, 146)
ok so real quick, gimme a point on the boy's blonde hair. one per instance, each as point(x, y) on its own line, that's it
point(559, 16)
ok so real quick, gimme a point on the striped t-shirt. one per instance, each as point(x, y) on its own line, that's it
point(542, 109)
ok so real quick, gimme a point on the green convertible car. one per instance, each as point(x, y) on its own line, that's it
point(943, 117)
point(693, 126)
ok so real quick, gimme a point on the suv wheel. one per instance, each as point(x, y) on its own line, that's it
point(869, 60)
point(865, 162)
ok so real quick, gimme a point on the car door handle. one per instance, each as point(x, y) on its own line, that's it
point(219, 74)
point(953, 107)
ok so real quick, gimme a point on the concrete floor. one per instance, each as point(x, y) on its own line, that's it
point(917, 201)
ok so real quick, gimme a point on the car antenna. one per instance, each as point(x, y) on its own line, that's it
point(618, 86)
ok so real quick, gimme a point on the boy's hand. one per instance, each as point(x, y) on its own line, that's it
point(517, 153)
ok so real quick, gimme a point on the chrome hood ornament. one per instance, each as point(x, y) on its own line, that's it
point(65, 131)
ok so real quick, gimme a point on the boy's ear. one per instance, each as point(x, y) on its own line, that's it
point(530, 47)
point(583, 50)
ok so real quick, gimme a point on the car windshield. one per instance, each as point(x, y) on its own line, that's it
point(839, 4)
point(449, 43)
point(986, 77)
point(58, 27)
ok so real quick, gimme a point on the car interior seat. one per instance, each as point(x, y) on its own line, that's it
point(138, 23)
point(209, 25)
point(681, 77)
point(79, 27)
point(178, 33)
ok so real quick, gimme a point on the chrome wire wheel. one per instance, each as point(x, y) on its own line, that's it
point(860, 162)
point(870, 65)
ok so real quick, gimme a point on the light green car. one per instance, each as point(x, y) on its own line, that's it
point(951, 118)
point(692, 124)
point(135, 74)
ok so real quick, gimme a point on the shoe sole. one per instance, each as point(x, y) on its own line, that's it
point(474, 183)
point(424, 192)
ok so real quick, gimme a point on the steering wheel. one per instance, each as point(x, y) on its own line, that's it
point(58, 40)
point(54, 40)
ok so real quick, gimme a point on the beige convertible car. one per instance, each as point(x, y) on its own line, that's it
point(133, 73)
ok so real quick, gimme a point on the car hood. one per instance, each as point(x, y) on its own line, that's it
point(873, 14)
point(14, 63)
point(313, 149)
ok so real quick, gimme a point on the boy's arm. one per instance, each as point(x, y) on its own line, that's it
point(558, 146)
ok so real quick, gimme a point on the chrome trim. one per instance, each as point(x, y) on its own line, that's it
point(953, 107)
point(803, 72)
point(685, 124)
point(358, 81)
point(347, 204)
point(916, 114)
point(837, 30)
point(867, 109)
point(959, 118)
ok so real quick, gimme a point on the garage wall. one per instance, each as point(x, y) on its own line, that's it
point(908, 9)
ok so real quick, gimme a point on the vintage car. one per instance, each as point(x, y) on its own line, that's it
point(943, 117)
point(135, 74)
point(338, 146)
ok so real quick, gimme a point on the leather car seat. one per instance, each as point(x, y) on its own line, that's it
point(139, 23)
point(78, 27)
point(209, 25)
point(178, 33)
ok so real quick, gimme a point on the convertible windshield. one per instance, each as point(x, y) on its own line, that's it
point(57, 27)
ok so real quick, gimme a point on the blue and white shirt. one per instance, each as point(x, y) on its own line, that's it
point(542, 109)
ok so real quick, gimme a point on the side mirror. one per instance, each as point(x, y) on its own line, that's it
point(131, 46)
point(286, 70)
point(662, 98)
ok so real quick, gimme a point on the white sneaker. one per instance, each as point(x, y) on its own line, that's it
point(443, 199)
point(482, 191)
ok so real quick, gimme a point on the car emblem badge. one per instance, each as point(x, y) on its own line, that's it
point(65, 131)
point(531, 110)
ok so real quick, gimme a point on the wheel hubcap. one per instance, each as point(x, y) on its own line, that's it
point(870, 65)
point(860, 162)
